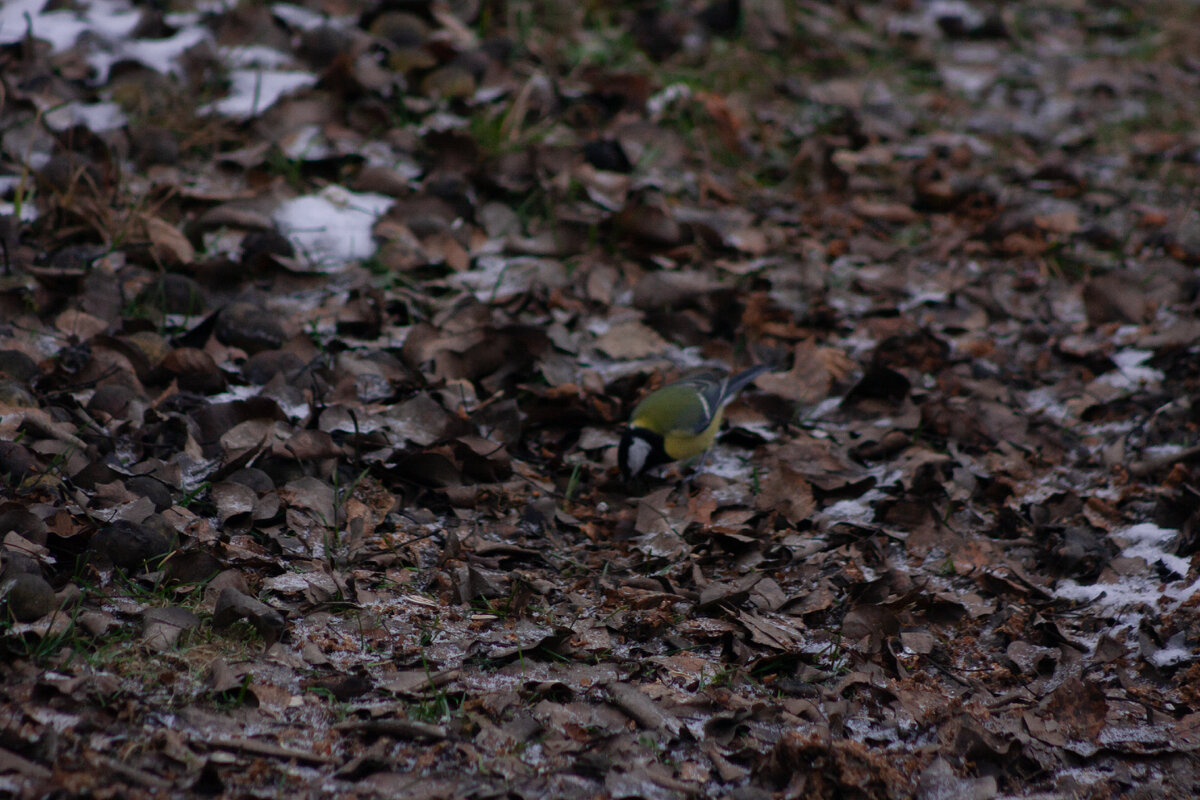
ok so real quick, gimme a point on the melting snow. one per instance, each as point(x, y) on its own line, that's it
point(304, 19)
point(254, 90)
point(99, 117)
point(10, 184)
point(61, 27)
point(108, 23)
point(332, 226)
point(1129, 373)
point(255, 55)
point(858, 510)
point(157, 54)
point(1124, 598)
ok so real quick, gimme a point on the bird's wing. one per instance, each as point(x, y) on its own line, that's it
point(716, 391)
point(699, 413)
point(711, 391)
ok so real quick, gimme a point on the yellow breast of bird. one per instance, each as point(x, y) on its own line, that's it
point(685, 444)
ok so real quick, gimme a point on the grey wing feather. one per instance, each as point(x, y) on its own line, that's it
point(735, 383)
point(716, 392)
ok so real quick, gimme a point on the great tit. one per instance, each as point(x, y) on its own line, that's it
point(679, 421)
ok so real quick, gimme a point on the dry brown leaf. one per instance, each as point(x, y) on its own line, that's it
point(169, 243)
point(815, 370)
point(1064, 222)
point(630, 339)
point(888, 212)
point(79, 325)
point(786, 491)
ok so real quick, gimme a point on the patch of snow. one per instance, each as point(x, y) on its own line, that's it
point(970, 80)
point(379, 154)
point(728, 463)
point(9, 185)
point(161, 55)
point(1147, 541)
point(1084, 776)
point(223, 242)
point(1162, 450)
point(255, 90)
point(952, 9)
point(297, 582)
point(28, 212)
point(501, 277)
point(193, 472)
point(761, 429)
point(662, 100)
point(99, 117)
point(1046, 401)
point(235, 393)
point(1174, 652)
point(303, 18)
point(857, 511)
point(333, 226)
point(182, 19)
point(254, 55)
point(296, 411)
point(1125, 598)
point(824, 407)
point(59, 28)
point(1145, 734)
point(1129, 373)
point(1128, 334)
point(441, 122)
point(215, 6)
point(306, 144)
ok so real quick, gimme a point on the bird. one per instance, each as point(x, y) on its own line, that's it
point(679, 421)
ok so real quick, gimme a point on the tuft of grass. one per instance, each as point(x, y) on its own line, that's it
point(573, 483)
point(290, 169)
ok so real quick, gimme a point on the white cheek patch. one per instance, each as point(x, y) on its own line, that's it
point(635, 458)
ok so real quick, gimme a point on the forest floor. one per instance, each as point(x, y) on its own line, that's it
point(319, 323)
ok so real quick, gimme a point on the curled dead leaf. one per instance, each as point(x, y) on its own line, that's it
point(168, 243)
point(630, 339)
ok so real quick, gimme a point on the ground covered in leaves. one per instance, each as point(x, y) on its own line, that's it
point(318, 324)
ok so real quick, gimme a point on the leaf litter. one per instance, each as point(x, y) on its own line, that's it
point(318, 323)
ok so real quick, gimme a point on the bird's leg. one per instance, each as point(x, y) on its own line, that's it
point(689, 479)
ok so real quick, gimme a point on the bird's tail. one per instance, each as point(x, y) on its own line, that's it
point(735, 383)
